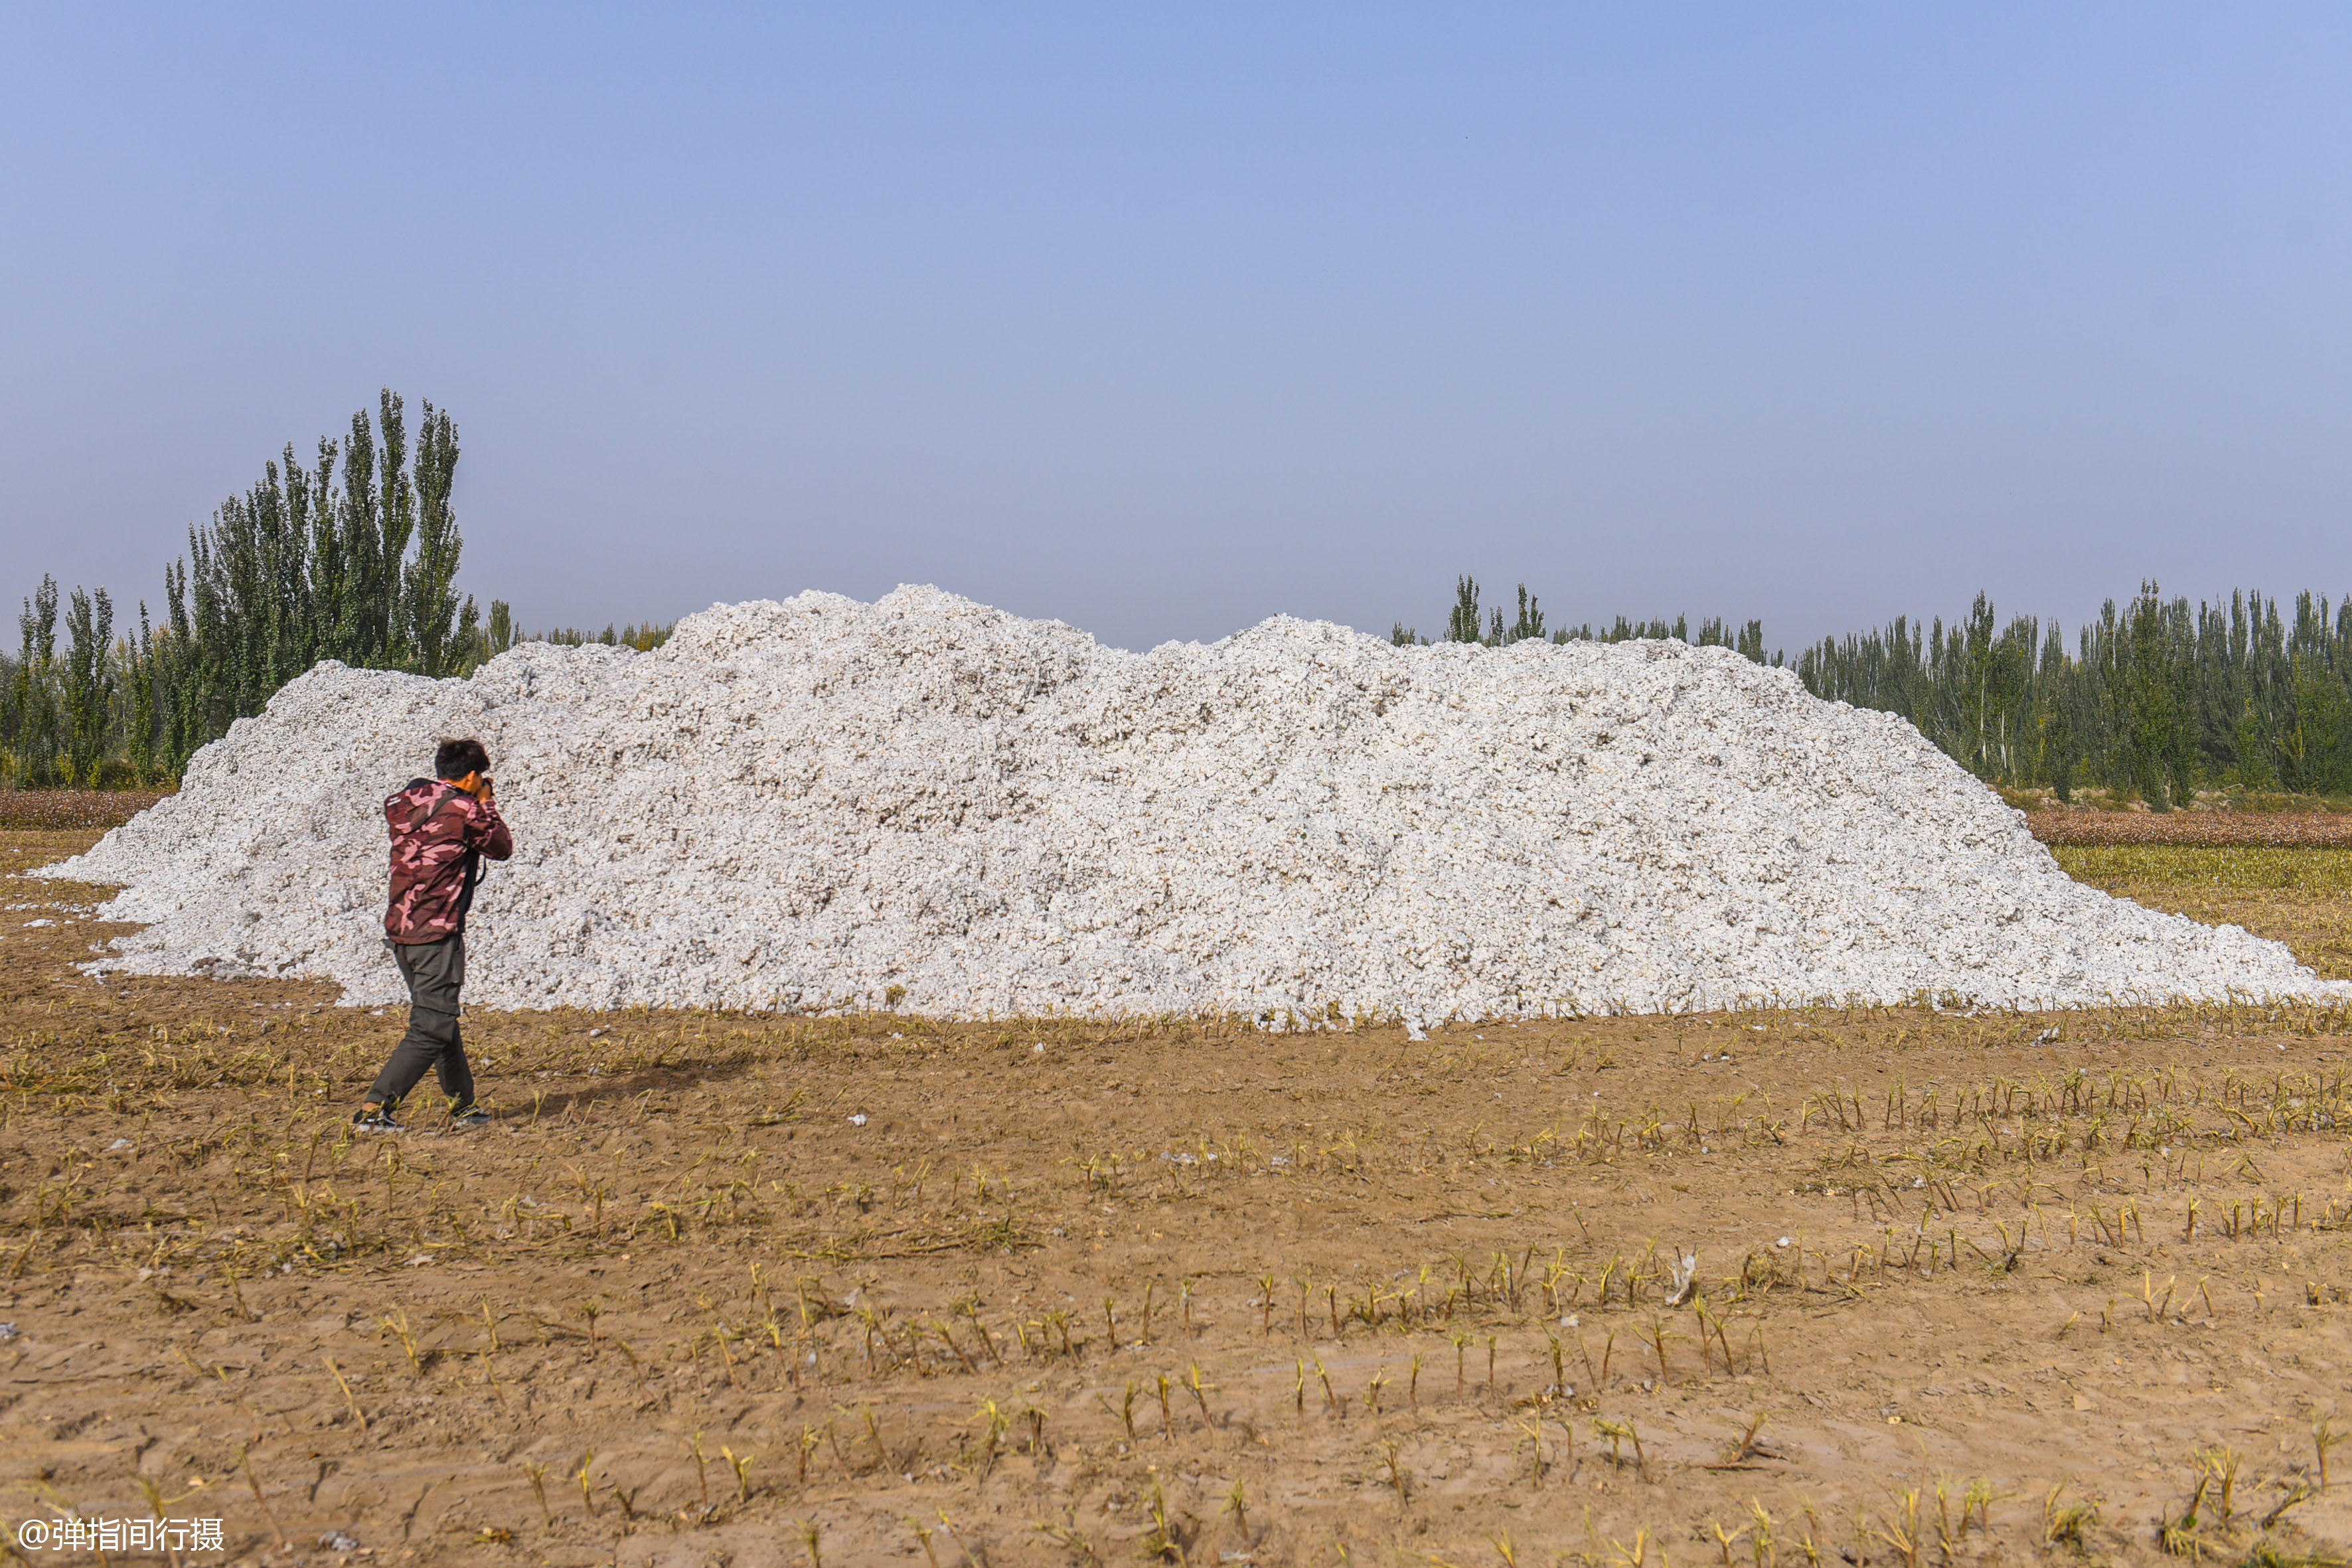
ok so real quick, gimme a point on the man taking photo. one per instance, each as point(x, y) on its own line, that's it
point(441, 829)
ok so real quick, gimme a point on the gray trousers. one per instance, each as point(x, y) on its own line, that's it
point(435, 972)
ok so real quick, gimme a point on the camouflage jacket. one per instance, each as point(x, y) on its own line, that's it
point(439, 834)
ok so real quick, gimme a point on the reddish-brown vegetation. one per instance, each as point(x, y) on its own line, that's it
point(2215, 829)
point(64, 810)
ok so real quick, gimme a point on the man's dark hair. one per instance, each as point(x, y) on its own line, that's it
point(455, 759)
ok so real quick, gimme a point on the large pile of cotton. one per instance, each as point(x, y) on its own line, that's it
point(929, 803)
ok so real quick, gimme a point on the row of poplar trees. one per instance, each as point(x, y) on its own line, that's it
point(2156, 699)
point(352, 557)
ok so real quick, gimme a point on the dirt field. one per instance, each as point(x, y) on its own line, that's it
point(743, 1290)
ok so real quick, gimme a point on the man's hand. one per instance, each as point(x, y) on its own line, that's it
point(486, 789)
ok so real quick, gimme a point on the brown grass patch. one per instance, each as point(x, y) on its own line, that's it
point(73, 810)
point(2209, 829)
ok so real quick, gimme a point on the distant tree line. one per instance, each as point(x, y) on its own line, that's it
point(2156, 699)
point(1462, 625)
point(354, 557)
point(351, 557)
point(643, 639)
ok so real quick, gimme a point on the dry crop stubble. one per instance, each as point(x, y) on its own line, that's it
point(1151, 1291)
point(2201, 829)
point(2303, 897)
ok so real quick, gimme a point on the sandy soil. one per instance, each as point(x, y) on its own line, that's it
point(720, 1289)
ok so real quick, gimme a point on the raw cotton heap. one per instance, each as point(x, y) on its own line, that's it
point(928, 804)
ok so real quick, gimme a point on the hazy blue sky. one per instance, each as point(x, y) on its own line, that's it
point(1164, 320)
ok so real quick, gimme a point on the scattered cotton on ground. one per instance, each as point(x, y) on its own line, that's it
point(927, 802)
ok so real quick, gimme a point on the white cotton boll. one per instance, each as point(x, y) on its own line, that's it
point(822, 805)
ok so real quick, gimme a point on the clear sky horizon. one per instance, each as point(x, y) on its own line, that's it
point(1160, 322)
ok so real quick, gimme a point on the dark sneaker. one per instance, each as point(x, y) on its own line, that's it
point(466, 1120)
point(374, 1121)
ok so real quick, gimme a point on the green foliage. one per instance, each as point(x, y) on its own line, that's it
point(1711, 634)
point(1462, 624)
point(32, 720)
point(89, 685)
point(351, 557)
point(426, 596)
point(1529, 626)
point(643, 639)
point(2156, 699)
point(310, 564)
